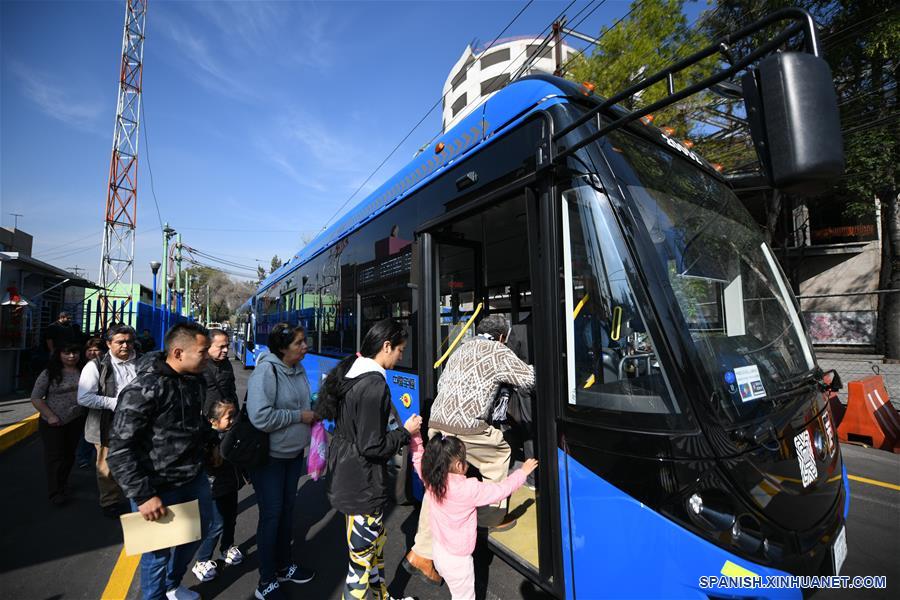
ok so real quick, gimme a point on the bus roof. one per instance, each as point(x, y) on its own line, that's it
point(512, 103)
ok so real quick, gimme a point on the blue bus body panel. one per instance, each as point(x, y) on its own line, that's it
point(252, 355)
point(620, 548)
point(846, 490)
point(404, 389)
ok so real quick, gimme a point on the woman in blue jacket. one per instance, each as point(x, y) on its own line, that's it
point(278, 401)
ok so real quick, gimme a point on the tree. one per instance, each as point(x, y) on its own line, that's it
point(276, 262)
point(225, 293)
point(260, 274)
point(653, 36)
point(861, 42)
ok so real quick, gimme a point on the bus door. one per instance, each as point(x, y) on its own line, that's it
point(474, 264)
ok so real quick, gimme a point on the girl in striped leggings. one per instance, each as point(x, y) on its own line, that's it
point(355, 394)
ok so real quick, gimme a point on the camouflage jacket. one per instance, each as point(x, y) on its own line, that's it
point(159, 435)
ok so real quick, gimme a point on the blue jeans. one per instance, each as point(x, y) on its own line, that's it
point(276, 491)
point(224, 516)
point(162, 570)
point(208, 543)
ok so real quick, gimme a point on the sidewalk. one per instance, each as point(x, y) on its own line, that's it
point(857, 366)
point(15, 408)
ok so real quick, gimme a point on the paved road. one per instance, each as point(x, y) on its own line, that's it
point(69, 553)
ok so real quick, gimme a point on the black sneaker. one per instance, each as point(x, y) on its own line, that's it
point(268, 591)
point(296, 574)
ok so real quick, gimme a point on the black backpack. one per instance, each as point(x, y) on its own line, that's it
point(244, 445)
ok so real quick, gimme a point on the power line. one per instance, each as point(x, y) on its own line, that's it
point(214, 258)
point(582, 51)
point(149, 169)
point(416, 126)
point(545, 40)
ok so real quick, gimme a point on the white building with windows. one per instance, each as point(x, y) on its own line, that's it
point(479, 73)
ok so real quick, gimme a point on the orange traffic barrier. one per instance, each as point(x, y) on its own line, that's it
point(870, 416)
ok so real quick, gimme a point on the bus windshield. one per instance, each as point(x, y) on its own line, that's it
point(724, 278)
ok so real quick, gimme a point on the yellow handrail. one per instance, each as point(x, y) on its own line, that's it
point(459, 335)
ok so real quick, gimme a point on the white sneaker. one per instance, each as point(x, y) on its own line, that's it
point(233, 556)
point(182, 593)
point(204, 570)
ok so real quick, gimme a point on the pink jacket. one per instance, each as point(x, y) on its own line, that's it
point(454, 520)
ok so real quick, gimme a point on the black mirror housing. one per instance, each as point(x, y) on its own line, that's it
point(794, 120)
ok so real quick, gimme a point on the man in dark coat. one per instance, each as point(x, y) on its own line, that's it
point(219, 372)
point(157, 449)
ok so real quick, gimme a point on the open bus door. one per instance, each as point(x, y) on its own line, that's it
point(476, 261)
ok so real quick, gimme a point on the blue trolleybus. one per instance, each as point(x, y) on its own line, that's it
point(679, 414)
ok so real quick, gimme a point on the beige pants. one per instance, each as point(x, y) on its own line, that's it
point(110, 493)
point(489, 453)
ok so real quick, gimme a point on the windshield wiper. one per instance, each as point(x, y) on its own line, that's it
point(789, 384)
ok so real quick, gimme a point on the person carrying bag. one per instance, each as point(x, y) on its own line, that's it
point(278, 402)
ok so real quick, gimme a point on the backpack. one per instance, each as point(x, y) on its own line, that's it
point(244, 445)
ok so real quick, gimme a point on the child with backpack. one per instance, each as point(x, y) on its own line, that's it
point(454, 498)
point(225, 480)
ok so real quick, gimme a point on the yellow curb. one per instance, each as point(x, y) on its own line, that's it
point(884, 484)
point(120, 579)
point(12, 435)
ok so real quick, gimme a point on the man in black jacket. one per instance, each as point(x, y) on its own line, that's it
point(219, 373)
point(157, 448)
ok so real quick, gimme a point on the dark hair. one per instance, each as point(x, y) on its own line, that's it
point(117, 329)
point(494, 326)
point(281, 336)
point(440, 453)
point(95, 342)
point(214, 407)
point(55, 366)
point(214, 332)
point(386, 330)
point(182, 332)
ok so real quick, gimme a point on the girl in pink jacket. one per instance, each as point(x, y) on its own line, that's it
point(454, 499)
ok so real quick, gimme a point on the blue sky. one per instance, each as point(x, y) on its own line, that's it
point(262, 117)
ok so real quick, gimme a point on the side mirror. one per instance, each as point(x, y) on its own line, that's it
point(832, 381)
point(794, 120)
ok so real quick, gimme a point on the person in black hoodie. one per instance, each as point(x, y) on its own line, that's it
point(225, 480)
point(157, 446)
point(355, 394)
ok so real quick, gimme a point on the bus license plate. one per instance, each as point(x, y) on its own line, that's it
point(839, 550)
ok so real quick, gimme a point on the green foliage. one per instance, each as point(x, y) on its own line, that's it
point(655, 35)
point(276, 262)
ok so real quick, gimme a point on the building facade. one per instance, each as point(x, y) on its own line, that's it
point(481, 72)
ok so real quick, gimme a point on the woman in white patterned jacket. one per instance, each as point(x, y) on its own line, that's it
point(466, 391)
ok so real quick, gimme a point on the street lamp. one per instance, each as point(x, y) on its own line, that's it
point(171, 281)
point(154, 266)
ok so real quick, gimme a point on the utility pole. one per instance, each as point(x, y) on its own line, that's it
point(187, 295)
point(178, 267)
point(207, 304)
point(16, 216)
point(117, 255)
point(168, 232)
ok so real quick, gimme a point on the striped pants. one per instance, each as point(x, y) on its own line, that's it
point(365, 540)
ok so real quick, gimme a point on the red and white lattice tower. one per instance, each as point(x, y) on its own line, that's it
point(117, 259)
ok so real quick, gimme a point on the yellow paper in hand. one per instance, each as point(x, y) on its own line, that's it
point(181, 525)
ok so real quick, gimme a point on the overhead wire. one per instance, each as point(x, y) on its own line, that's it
point(144, 128)
point(416, 126)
